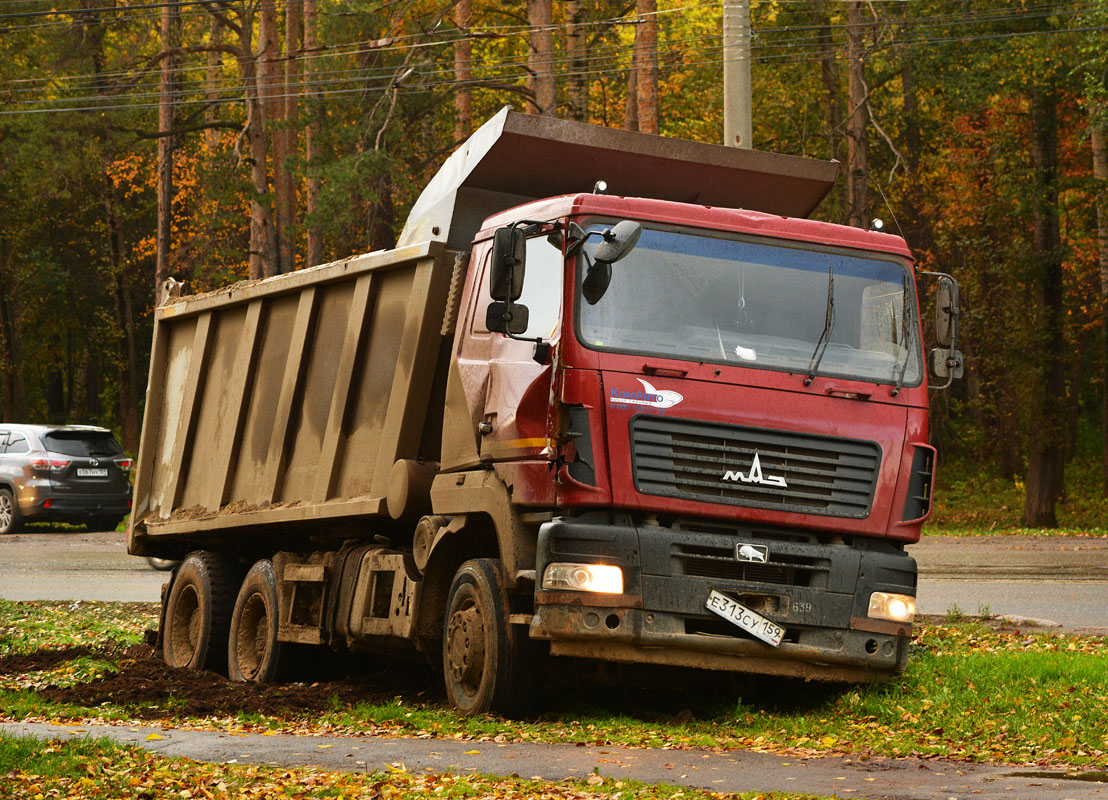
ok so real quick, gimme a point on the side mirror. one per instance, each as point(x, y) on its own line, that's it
point(596, 282)
point(506, 318)
point(947, 364)
point(509, 252)
point(618, 241)
point(946, 311)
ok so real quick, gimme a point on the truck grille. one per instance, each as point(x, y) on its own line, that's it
point(715, 463)
point(719, 562)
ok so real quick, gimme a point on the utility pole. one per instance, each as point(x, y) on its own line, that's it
point(738, 128)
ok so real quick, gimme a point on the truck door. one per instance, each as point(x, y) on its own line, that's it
point(516, 395)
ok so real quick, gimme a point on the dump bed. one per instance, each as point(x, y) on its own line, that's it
point(286, 401)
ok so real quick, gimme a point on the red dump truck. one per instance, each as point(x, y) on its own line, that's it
point(672, 422)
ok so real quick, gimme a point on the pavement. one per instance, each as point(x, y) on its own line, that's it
point(729, 771)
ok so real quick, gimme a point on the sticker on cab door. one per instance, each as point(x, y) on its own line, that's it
point(649, 399)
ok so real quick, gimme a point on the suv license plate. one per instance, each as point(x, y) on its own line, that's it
point(89, 472)
point(750, 621)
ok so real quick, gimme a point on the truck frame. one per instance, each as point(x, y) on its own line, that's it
point(678, 425)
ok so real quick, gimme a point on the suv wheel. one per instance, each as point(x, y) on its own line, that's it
point(9, 512)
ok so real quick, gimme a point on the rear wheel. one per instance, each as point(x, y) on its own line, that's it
point(9, 512)
point(486, 660)
point(254, 654)
point(198, 611)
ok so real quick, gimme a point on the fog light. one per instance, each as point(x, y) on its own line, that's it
point(603, 578)
point(895, 607)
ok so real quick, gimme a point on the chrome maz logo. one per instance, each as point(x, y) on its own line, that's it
point(757, 553)
point(755, 475)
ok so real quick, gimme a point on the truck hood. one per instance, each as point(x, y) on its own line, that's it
point(769, 457)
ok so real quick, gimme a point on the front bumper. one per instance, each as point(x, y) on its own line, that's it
point(817, 590)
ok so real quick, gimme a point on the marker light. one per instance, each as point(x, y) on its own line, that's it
point(600, 187)
point(895, 607)
point(602, 578)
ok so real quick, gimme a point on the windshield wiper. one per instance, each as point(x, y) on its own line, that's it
point(828, 323)
point(900, 368)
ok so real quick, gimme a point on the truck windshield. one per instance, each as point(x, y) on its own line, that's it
point(760, 304)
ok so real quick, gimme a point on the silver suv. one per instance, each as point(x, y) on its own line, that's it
point(70, 473)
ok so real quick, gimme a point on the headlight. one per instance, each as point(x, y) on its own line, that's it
point(895, 607)
point(602, 578)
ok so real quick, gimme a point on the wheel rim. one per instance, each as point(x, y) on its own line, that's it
point(466, 646)
point(252, 641)
point(185, 627)
point(6, 513)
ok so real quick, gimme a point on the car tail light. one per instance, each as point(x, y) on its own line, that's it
point(50, 464)
point(47, 503)
point(124, 464)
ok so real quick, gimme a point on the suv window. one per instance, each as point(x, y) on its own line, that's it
point(82, 443)
point(17, 443)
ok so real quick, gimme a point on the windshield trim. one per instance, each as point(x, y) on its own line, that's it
point(869, 255)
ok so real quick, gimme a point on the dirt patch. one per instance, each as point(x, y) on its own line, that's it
point(149, 689)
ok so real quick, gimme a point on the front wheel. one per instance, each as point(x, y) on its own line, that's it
point(486, 660)
point(198, 611)
point(253, 652)
point(9, 512)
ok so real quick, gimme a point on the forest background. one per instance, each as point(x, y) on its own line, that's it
point(214, 140)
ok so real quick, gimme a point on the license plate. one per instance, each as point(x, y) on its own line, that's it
point(750, 621)
point(89, 472)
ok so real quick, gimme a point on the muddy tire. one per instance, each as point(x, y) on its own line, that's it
point(198, 612)
point(9, 513)
point(253, 652)
point(486, 660)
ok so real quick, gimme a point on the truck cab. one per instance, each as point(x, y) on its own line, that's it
point(740, 412)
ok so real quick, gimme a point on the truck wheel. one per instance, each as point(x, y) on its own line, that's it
point(486, 662)
point(9, 512)
point(198, 612)
point(253, 653)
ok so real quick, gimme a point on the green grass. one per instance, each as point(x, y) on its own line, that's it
point(971, 499)
point(970, 692)
point(29, 627)
point(33, 768)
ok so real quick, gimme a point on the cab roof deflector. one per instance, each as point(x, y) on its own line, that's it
point(515, 158)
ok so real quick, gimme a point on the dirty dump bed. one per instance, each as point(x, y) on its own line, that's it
point(283, 403)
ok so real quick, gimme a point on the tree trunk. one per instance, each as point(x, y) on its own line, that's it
point(631, 110)
point(1047, 442)
point(212, 79)
point(577, 86)
point(128, 372)
point(646, 65)
point(857, 167)
point(540, 57)
point(270, 84)
point(314, 252)
point(285, 138)
point(255, 72)
point(832, 106)
point(14, 407)
point(1100, 175)
point(463, 72)
point(171, 41)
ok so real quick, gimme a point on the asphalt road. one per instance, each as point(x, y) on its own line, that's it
point(1059, 580)
point(44, 564)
